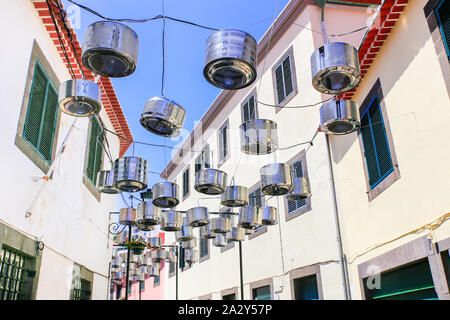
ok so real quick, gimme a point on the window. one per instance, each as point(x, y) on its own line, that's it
point(297, 172)
point(203, 160)
point(306, 288)
point(443, 17)
point(95, 151)
point(186, 182)
point(12, 268)
point(204, 248)
point(446, 263)
point(412, 282)
point(229, 297)
point(181, 261)
point(142, 285)
point(376, 146)
point(223, 142)
point(261, 293)
point(171, 268)
point(156, 281)
point(83, 292)
point(40, 120)
point(284, 78)
point(249, 110)
point(255, 198)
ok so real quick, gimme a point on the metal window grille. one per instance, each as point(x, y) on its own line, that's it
point(283, 79)
point(443, 18)
point(84, 292)
point(297, 172)
point(12, 268)
point(40, 120)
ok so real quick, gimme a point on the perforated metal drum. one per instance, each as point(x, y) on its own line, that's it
point(186, 233)
point(235, 196)
point(301, 190)
point(197, 216)
point(171, 220)
point(276, 179)
point(220, 225)
point(163, 117)
point(335, 68)
point(154, 242)
point(230, 59)
point(236, 234)
point(250, 217)
point(165, 194)
point(210, 181)
point(105, 182)
point(220, 240)
point(148, 213)
point(79, 97)
point(259, 136)
point(190, 244)
point(110, 49)
point(130, 174)
point(269, 215)
point(191, 255)
point(339, 117)
point(127, 216)
point(206, 232)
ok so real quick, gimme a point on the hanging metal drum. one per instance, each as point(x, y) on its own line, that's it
point(339, 117)
point(110, 49)
point(236, 234)
point(171, 220)
point(148, 213)
point(163, 117)
point(250, 217)
point(248, 231)
point(197, 216)
point(186, 233)
point(158, 255)
point(276, 179)
point(79, 97)
point(206, 232)
point(165, 194)
point(259, 136)
point(235, 196)
point(190, 244)
point(153, 271)
point(269, 215)
point(301, 190)
point(190, 255)
point(127, 216)
point(230, 62)
point(154, 242)
point(171, 258)
point(130, 174)
point(220, 225)
point(105, 182)
point(118, 275)
point(144, 227)
point(335, 68)
point(220, 241)
point(116, 262)
point(210, 181)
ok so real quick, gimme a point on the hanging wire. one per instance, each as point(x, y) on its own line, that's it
point(297, 107)
point(163, 49)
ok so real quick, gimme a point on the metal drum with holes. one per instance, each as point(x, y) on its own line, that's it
point(301, 190)
point(153, 271)
point(210, 181)
point(118, 275)
point(154, 242)
point(165, 194)
point(220, 225)
point(171, 220)
point(116, 262)
point(339, 117)
point(230, 62)
point(220, 240)
point(146, 260)
point(144, 227)
point(250, 217)
point(236, 234)
point(269, 215)
point(186, 233)
point(249, 231)
point(105, 182)
point(191, 255)
point(115, 253)
point(197, 216)
point(127, 216)
point(130, 174)
point(79, 97)
point(258, 136)
point(158, 254)
point(163, 117)
point(235, 196)
point(276, 179)
point(171, 258)
point(190, 244)
point(335, 68)
point(110, 49)
point(205, 232)
point(148, 213)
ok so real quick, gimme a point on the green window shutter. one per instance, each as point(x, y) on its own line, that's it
point(443, 17)
point(306, 288)
point(181, 261)
point(279, 83)
point(376, 147)
point(203, 247)
point(40, 120)
point(186, 182)
point(297, 172)
point(95, 151)
point(287, 76)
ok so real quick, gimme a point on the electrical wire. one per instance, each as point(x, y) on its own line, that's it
point(163, 50)
point(296, 107)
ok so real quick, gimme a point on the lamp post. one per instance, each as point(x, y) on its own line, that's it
point(241, 270)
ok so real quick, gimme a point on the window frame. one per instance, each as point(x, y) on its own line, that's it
point(304, 272)
point(221, 159)
point(208, 245)
point(393, 176)
point(263, 228)
point(301, 156)
point(188, 193)
point(262, 283)
point(37, 57)
point(288, 53)
point(201, 157)
point(246, 101)
point(230, 291)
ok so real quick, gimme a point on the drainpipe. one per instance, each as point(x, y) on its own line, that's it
point(342, 258)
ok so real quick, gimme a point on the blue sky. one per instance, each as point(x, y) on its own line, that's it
point(184, 52)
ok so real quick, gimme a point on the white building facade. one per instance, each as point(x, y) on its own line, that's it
point(54, 237)
point(353, 239)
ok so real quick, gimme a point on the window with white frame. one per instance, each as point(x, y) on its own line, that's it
point(186, 182)
point(223, 136)
point(284, 84)
point(249, 110)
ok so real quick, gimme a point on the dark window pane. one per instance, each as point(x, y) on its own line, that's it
point(279, 83)
point(261, 293)
point(306, 288)
point(443, 17)
point(287, 76)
